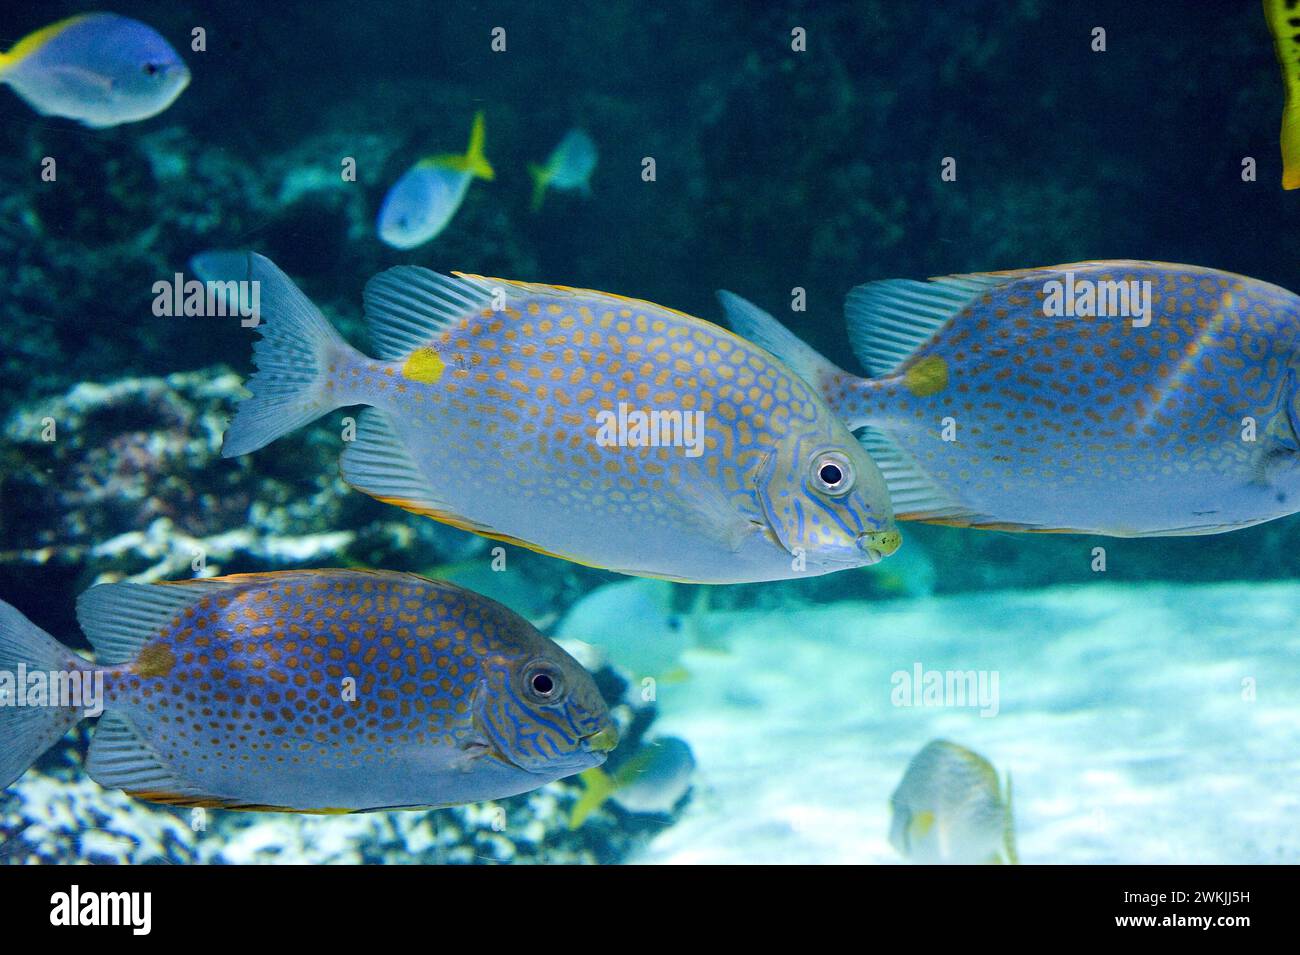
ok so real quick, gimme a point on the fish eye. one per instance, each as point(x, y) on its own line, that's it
point(542, 683)
point(832, 473)
point(152, 69)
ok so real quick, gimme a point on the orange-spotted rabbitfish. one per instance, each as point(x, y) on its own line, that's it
point(605, 430)
point(310, 691)
point(1121, 398)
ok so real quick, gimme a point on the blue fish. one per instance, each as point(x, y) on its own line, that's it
point(569, 167)
point(1131, 399)
point(98, 68)
point(427, 196)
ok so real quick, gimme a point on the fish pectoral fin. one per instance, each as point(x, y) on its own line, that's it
point(916, 496)
point(87, 86)
point(377, 463)
point(120, 758)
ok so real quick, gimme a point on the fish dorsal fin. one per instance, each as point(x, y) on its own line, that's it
point(119, 619)
point(890, 320)
point(408, 307)
point(750, 322)
point(515, 290)
point(120, 758)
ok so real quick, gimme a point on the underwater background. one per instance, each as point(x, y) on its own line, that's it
point(1122, 714)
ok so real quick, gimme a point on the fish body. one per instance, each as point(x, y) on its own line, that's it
point(951, 809)
point(569, 167)
point(1283, 18)
point(313, 691)
point(1001, 401)
point(427, 196)
point(604, 430)
point(99, 68)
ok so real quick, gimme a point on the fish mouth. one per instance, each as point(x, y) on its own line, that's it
point(602, 741)
point(878, 545)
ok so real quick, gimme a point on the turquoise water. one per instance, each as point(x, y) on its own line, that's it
point(1145, 711)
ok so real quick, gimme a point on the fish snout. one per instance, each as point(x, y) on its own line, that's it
point(602, 741)
point(879, 544)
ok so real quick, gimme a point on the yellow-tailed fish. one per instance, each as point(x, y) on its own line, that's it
point(950, 809)
point(423, 201)
point(569, 167)
point(308, 691)
point(653, 781)
point(1132, 399)
point(601, 429)
point(99, 68)
point(1283, 18)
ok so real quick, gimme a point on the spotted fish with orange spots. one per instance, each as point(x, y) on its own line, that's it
point(1122, 398)
point(308, 691)
point(605, 430)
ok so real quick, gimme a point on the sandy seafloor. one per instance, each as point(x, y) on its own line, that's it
point(1122, 719)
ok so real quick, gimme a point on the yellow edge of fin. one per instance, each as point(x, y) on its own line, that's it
point(34, 41)
point(1116, 264)
point(921, 518)
point(542, 288)
point(260, 575)
point(454, 520)
point(212, 802)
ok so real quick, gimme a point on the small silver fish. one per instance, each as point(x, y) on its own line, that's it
point(950, 809)
point(99, 68)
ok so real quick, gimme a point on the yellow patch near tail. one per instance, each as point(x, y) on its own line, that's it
point(154, 660)
point(34, 41)
point(926, 377)
point(425, 366)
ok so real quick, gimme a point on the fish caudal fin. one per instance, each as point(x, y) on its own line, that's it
point(599, 787)
point(292, 357)
point(475, 162)
point(29, 727)
point(1286, 44)
point(541, 176)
